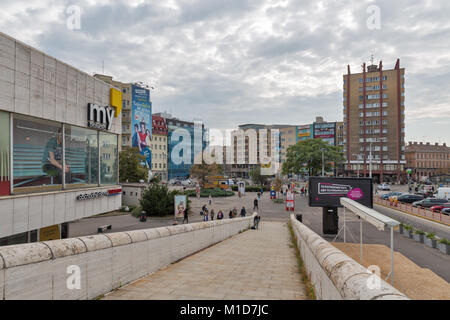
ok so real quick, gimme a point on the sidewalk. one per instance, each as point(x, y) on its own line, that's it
point(254, 265)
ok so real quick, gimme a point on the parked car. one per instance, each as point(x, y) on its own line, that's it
point(446, 211)
point(391, 194)
point(384, 187)
point(410, 198)
point(429, 202)
point(439, 208)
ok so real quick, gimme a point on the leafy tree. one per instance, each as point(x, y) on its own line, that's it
point(307, 154)
point(130, 166)
point(157, 200)
point(202, 171)
point(278, 185)
point(257, 177)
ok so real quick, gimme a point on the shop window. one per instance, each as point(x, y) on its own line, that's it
point(37, 155)
point(4, 154)
point(108, 165)
point(81, 157)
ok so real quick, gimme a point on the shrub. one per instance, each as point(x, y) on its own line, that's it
point(136, 212)
point(251, 188)
point(157, 200)
point(431, 235)
point(444, 241)
point(204, 193)
point(418, 231)
point(408, 228)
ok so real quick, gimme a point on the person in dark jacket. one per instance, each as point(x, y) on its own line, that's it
point(255, 204)
point(230, 215)
point(220, 215)
point(243, 212)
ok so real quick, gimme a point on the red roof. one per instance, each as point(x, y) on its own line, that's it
point(159, 125)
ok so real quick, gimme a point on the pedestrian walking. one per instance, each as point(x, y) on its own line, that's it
point(230, 215)
point(220, 215)
point(205, 217)
point(185, 217)
point(255, 204)
point(243, 212)
point(256, 220)
point(210, 199)
point(302, 191)
point(234, 212)
point(212, 214)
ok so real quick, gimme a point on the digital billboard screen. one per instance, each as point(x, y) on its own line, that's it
point(327, 191)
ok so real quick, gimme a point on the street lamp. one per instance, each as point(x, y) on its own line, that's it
point(323, 163)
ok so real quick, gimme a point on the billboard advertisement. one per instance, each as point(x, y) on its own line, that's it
point(326, 132)
point(304, 132)
point(180, 205)
point(141, 122)
point(327, 191)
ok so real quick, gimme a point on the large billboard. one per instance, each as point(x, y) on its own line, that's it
point(303, 132)
point(326, 132)
point(327, 191)
point(141, 121)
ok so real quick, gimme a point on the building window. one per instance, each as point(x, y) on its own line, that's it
point(37, 155)
point(4, 154)
point(81, 156)
point(108, 165)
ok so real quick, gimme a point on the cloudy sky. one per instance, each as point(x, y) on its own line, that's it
point(230, 62)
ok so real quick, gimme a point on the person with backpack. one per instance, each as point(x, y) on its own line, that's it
point(243, 212)
point(220, 215)
point(212, 214)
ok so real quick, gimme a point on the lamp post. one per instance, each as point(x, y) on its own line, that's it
point(323, 163)
point(370, 160)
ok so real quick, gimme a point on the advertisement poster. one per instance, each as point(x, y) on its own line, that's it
point(326, 132)
point(327, 191)
point(180, 205)
point(141, 121)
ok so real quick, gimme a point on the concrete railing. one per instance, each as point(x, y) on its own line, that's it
point(336, 276)
point(49, 270)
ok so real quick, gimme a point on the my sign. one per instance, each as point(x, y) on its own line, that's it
point(100, 117)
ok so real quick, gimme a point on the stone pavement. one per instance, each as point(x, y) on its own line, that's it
point(254, 265)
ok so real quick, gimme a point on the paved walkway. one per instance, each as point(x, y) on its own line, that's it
point(256, 264)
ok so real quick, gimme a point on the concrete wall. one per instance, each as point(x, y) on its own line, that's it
point(334, 275)
point(22, 213)
point(35, 84)
point(39, 270)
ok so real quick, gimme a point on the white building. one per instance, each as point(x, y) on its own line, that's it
point(53, 117)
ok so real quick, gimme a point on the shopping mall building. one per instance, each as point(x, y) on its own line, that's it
point(59, 130)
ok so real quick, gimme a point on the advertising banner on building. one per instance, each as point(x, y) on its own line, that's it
point(141, 121)
point(180, 205)
point(326, 132)
point(303, 132)
point(327, 191)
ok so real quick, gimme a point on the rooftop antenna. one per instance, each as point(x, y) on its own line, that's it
point(371, 59)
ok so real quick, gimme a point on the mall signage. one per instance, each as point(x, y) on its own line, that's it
point(93, 195)
point(100, 117)
point(327, 191)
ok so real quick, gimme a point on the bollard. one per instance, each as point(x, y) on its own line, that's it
point(299, 217)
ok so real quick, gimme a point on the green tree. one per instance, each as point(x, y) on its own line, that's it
point(257, 177)
point(307, 155)
point(202, 171)
point(130, 166)
point(278, 185)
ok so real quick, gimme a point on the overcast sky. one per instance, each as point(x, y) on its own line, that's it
point(230, 62)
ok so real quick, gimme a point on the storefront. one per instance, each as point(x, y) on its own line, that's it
point(59, 130)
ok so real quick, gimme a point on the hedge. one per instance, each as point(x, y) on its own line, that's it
point(215, 193)
point(251, 188)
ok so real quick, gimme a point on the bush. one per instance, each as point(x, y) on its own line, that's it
point(431, 235)
point(408, 228)
point(157, 200)
point(418, 231)
point(444, 241)
point(215, 193)
point(136, 212)
point(251, 188)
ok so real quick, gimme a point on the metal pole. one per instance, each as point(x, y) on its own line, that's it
point(323, 169)
point(344, 225)
point(370, 160)
point(392, 256)
point(360, 241)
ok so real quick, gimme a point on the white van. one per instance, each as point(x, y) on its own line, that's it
point(443, 193)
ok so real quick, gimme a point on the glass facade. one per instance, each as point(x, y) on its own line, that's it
point(4, 154)
point(81, 147)
point(37, 155)
point(108, 159)
point(49, 156)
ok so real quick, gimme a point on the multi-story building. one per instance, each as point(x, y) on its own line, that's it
point(136, 112)
point(253, 146)
point(287, 138)
point(304, 132)
point(426, 160)
point(374, 122)
point(59, 130)
point(159, 147)
point(186, 141)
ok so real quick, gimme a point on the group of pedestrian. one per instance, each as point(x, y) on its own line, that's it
point(209, 215)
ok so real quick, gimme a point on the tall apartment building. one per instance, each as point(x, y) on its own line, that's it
point(374, 118)
point(427, 161)
point(159, 147)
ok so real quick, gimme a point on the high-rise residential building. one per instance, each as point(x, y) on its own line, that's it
point(159, 147)
point(427, 160)
point(287, 138)
point(374, 122)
